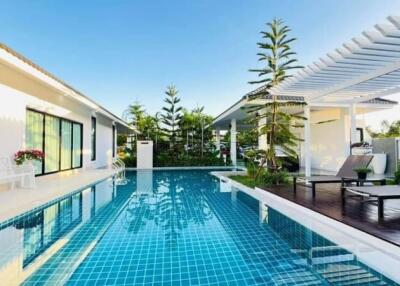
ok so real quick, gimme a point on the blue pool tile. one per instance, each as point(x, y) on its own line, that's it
point(177, 228)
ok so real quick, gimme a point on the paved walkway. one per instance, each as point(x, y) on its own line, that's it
point(50, 187)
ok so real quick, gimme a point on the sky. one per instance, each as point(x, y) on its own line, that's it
point(119, 52)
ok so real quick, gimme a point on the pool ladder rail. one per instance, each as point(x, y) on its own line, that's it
point(119, 165)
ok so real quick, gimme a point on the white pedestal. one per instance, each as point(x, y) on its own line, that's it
point(378, 163)
point(144, 154)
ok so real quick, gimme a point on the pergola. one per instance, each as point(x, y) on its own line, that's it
point(359, 72)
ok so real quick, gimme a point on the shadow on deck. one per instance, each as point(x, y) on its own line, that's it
point(356, 213)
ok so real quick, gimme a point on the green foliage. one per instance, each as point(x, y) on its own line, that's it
point(397, 177)
point(362, 170)
point(121, 139)
point(266, 179)
point(196, 131)
point(182, 160)
point(275, 178)
point(128, 156)
point(245, 180)
point(387, 130)
point(181, 137)
point(278, 59)
point(251, 165)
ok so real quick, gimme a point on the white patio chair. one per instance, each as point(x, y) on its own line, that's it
point(12, 174)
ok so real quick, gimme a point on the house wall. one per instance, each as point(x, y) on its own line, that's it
point(330, 138)
point(18, 91)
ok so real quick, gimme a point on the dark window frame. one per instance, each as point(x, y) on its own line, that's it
point(361, 130)
point(113, 140)
point(93, 138)
point(43, 173)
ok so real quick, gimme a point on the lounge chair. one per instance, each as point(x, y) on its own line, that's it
point(379, 193)
point(12, 174)
point(346, 171)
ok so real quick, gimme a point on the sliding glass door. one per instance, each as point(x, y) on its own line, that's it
point(60, 139)
point(34, 135)
point(76, 145)
point(66, 142)
point(51, 144)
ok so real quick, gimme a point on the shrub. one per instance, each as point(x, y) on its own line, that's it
point(362, 170)
point(397, 177)
point(275, 178)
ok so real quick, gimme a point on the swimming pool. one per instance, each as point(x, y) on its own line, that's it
point(175, 227)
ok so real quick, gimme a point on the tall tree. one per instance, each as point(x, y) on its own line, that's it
point(277, 59)
point(387, 130)
point(171, 116)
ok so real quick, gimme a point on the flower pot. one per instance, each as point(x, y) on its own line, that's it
point(362, 176)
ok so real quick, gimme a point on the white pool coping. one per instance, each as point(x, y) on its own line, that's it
point(380, 255)
point(48, 188)
point(184, 168)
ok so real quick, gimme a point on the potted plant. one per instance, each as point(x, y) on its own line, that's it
point(27, 156)
point(362, 172)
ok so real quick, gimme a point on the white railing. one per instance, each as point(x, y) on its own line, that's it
point(119, 165)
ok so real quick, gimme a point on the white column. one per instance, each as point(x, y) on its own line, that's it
point(307, 141)
point(218, 141)
point(353, 124)
point(233, 141)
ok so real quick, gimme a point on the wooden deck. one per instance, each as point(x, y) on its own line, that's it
point(356, 213)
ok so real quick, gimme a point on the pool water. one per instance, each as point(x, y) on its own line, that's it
point(173, 228)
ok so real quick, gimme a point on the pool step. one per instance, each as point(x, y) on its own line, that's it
point(345, 274)
point(298, 277)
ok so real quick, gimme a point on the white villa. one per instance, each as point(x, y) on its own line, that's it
point(42, 112)
point(338, 89)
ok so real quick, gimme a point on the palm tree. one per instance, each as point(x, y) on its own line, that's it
point(279, 59)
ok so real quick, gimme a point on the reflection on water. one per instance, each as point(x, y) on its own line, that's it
point(43, 228)
point(171, 202)
point(33, 239)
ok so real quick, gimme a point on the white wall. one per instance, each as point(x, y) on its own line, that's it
point(103, 143)
point(19, 91)
point(329, 139)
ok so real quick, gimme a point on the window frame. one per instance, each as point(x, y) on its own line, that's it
point(114, 133)
point(61, 119)
point(93, 138)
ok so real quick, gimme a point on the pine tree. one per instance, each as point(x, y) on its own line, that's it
point(171, 116)
point(278, 58)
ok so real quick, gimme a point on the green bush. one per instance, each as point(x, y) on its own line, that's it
point(397, 177)
point(166, 160)
point(130, 161)
point(277, 178)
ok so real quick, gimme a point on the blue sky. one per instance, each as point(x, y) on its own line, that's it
point(118, 52)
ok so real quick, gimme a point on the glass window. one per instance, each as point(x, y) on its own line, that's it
point(60, 140)
point(51, 144)
point(66, 145)
point(76, 145)
point(93, 139)
point(34, 135)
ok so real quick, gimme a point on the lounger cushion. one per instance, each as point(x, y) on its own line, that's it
point(352, 162)
point(378, 191)
point(323, 179)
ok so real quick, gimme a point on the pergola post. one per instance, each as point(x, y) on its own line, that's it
point(218, 141)
point(233, 141)
point(307, 141)
point(353, 123)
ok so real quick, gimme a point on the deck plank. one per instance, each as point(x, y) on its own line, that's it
point(358, 214)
